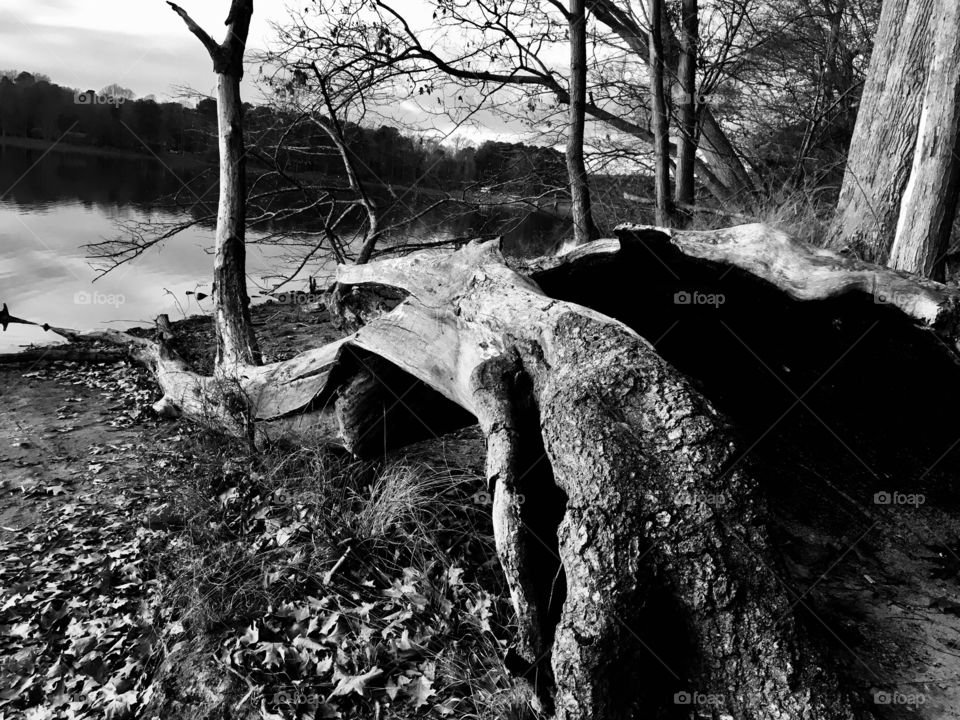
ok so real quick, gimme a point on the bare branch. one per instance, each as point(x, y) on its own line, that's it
point(212, 46)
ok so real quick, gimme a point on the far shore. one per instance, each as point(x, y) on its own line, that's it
point(182, 159)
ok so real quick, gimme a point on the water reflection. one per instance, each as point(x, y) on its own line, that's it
point(52, 204)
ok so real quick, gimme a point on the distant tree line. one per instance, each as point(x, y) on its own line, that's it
point(32, 106)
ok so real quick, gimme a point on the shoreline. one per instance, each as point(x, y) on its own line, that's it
point(22, 143)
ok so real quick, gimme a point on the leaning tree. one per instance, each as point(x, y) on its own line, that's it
point(900, 186)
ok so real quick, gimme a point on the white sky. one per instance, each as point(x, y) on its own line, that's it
point(139, 44)
point(144, 46)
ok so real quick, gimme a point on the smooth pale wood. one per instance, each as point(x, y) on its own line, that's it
point(425, 340)
point(626, 439)
point(236, 341)
point(804, 272)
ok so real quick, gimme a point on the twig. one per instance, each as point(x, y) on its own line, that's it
point(328, 576)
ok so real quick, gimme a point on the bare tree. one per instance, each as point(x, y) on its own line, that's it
point(502, 47)
point(721, 168)
point(660, 118)
point(687, 104)
point(236, 341)
point(583, 228)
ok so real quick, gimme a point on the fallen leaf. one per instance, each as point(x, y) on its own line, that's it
point(355, 683)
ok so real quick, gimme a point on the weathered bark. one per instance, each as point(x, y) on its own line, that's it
point(583, 228)
point(685, 100)
point(660, 119)
point(633, 521)
point(929, 201)
point(300, 392)
point(884, 141)
point(236, 341)
point(617, 448)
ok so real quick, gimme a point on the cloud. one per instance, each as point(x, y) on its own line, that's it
point(139, 44)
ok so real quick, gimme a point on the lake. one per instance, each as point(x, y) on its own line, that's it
point(53, 204)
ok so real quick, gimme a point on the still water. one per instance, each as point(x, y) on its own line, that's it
point(54, 204)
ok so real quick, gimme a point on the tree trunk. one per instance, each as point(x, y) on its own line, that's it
point(236, 341)
point(929, 201)
point(721, 168)
point(583, 228)
point(687, 104)
point(660, 119)
point(885, 136)
point(615, 446)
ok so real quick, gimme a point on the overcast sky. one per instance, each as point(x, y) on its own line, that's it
point(144, 46)
point(139, 44)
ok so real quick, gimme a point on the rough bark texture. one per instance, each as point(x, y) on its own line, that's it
point(929, 201)
point(634, 452)
point(685, 101)
point(646, 535)
point(660, 119)
point(885, 136)
point(583, 227)
point(236, 341)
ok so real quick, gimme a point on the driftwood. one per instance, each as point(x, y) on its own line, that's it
point(617, 449)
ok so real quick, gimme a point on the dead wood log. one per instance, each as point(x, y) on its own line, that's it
point(621, 460)
point(571, 400)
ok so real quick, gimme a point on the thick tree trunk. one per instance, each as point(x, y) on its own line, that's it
point(660, 119)
point(929, 201)
point(686, 103)
point(236, 341)
point(884, 141)
point(618, 452)
point(547, 378)
point(583, 228)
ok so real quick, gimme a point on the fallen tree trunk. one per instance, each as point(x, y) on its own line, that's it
point(635, 494)
point(573, 400)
